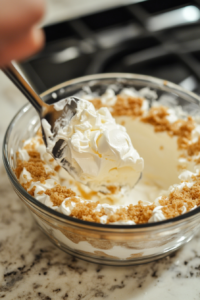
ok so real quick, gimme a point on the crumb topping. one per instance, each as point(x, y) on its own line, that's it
point(32, 191)
point(157, 116)
point(58, 194)
point(57, 168)
point(194, 148)
point(124, 106)
point(86, 210)
point(137, 213)
point(188, 197)
point(35, 166)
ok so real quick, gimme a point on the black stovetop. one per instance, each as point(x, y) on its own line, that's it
point(145, 38)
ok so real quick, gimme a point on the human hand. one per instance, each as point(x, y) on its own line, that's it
point(19, 38)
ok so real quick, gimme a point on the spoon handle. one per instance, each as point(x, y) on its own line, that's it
point(13, 74)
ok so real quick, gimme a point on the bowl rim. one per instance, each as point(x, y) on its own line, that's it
point(75, 221)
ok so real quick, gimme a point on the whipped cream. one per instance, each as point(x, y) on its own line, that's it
point(96, 150)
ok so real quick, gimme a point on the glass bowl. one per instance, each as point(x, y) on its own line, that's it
point(106, 244)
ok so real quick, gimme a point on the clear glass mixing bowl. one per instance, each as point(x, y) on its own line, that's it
point(106, 244)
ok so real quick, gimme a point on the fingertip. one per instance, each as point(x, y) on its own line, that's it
point(18, 18)
point(27, 45)
point(38, 39)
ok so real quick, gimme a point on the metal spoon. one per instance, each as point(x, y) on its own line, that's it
point(52, 117)
point(66, 109)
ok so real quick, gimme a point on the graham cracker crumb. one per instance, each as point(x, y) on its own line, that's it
point(32, 191)
point(188, 197)
point(157, 116)
point(128, 106)
point(58, 194)
point(57, 168)
point(40, 192)
point(124, 106)
point(197, 160)
point(35, 166)
point(194, 148)
point(97, 103)
point(137, 213)
point(85, 210)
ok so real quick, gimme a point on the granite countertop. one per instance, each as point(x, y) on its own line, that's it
point(31, 267)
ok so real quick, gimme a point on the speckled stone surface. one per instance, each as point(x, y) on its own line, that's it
point(32, 268)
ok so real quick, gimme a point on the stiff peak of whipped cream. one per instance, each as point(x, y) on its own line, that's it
point(95, 150)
